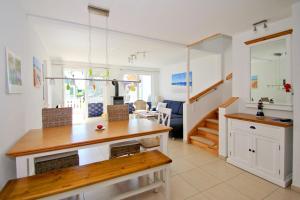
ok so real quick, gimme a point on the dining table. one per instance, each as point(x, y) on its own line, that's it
point(42, 142)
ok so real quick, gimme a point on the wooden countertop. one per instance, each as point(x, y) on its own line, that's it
point(252, 118)
point(57, 138)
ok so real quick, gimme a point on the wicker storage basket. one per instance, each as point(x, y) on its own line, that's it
point(124, 148)
point(55, 162)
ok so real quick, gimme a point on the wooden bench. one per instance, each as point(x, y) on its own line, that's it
point(77, 180)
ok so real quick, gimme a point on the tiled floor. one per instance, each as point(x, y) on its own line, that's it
point(198, 175)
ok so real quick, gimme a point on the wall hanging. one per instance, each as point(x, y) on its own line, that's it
point(37, 72)
point(13, 73)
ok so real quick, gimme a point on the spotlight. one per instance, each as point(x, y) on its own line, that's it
point(263, 22)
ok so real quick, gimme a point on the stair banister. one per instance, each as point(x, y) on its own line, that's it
point(205, 92)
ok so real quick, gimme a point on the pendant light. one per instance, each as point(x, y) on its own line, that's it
point(90, 50)
point(102, 12)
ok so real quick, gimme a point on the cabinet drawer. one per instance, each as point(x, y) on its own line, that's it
point(263, 130)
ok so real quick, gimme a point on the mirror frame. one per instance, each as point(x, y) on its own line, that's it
point(277, 36)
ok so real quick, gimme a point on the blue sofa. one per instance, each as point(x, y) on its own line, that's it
point(176, 118)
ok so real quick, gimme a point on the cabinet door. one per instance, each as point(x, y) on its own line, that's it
point(240, 145)
point(266, 156)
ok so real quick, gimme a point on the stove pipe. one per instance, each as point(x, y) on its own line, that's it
point(116, 84)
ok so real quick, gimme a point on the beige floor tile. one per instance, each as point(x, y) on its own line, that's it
point(175, 144)
point(180, 189)
point(191, 168)
point(182, 151)
point(180, 166)
point(221, 169)
point(198, 196)
point(284, 194)
point(223, 192)
point(200, 179)
point(92, 155)
point(252, 186)
point(150, 195)
point(201, 158)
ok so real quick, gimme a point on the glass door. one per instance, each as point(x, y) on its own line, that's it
point(74, 93)
point(78, 94)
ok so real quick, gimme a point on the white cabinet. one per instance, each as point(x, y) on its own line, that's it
point(239, 151)
point(266, 155)
point(261, 149)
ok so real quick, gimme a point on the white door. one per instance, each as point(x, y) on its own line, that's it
point(266, 156)
point(240, 147)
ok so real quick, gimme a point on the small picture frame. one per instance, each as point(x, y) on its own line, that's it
point(14, 79)
point(37, 73)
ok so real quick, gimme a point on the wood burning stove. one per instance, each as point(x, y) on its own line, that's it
point(117, 100)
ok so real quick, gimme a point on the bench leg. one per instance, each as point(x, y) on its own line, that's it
point(166, 179)
point(156, 178)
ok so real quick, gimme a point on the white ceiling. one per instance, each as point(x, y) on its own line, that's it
point(70, 42)
point(179, 21)
point(182, 21)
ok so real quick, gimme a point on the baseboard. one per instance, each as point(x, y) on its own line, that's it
point(295, 188)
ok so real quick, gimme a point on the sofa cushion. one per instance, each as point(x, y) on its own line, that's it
point(180, 112)
point(174, 116)
point(161, 105)
point(174, 105)
point(95, 109)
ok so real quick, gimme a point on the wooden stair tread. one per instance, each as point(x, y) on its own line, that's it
point(208, 130)
point(215, 121)
point(43, 185)
point(203, 140)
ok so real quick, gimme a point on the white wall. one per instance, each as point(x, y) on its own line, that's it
point(34, 96)
point(18, 111)
point(241, 65)
point(206, 71)
point(296, 80)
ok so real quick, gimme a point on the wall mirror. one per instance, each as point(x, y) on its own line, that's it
point(270, 78)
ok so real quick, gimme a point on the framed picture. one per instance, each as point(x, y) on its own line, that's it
point(13, 73)
point(37, 73)
point(179, 79)
point(254, 83)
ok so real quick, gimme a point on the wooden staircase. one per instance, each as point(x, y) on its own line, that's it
point(206, 133)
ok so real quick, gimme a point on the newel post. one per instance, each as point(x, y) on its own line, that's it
point(188, 75)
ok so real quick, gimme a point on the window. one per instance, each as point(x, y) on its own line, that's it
point(145, 87)
point(79, 93)
point(134, 91)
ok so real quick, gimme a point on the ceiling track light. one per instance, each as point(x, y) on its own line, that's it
point(264, 22)
point(133, 57)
